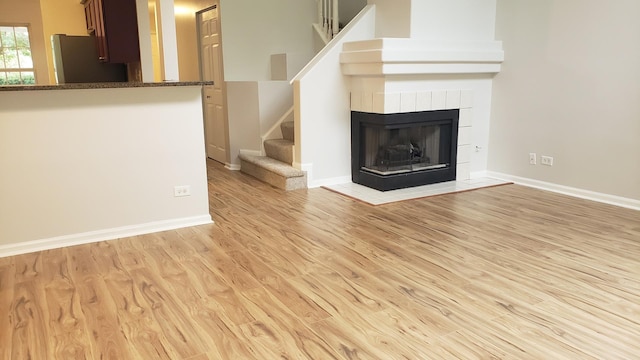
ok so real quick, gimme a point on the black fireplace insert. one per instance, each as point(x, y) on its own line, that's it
point(394, 151)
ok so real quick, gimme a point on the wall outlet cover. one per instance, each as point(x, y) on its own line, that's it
point(181, 190)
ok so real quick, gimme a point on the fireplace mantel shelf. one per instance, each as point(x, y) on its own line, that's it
point(391, 56)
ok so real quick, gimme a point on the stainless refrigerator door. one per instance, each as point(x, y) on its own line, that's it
point(76, 61)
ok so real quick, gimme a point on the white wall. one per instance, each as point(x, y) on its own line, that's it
point(166, 26)
point(569, 88)
point(254, 30)
point(253, 108)
point(275, 98)
point(243, 113)
point(468, 20)
point(81, 165)
point(322, 113)
point(393, 18)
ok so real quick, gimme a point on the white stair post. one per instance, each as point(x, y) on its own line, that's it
point(335, 20)
point(329, 19)
point(325, 11)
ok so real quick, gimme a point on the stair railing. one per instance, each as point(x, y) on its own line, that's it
point(328, 17)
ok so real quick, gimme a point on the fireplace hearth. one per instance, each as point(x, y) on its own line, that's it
point(394, 151)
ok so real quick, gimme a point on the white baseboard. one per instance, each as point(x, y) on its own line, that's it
point(251, 152)
point(311, 183)
point(567, 190)
point(307, 168)
point(232, 167)
point(330, 181)
point(101, 235)
point(479, 174)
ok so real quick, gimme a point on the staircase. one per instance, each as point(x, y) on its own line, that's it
point(275, 168)
point(273, 164)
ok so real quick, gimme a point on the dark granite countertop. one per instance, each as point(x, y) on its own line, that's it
point(103, 85)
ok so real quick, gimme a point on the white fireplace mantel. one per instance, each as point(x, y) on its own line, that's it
point(399, 56)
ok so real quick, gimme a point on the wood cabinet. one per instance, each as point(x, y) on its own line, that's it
point(114, 23)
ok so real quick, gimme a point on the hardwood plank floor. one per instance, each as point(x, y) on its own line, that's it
point(507, 272)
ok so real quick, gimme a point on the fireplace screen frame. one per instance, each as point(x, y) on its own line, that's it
point(393, 181)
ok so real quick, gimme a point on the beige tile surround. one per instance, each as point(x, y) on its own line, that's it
point(401, 102)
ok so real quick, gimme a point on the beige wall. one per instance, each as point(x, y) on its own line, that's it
point(61, 17)
point(466, 20)
point(27, 12)
point(253, 30)
point(569, 88)
point(186, 36)
point(348, 9)
point(156, 59)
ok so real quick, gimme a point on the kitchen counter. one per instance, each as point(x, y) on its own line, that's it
point(102, 85)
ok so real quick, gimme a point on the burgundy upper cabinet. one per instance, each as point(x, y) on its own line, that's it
point(115, 26)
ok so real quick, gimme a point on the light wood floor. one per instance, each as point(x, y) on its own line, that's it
point(501, 273)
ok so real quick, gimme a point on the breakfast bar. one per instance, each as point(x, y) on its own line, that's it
point(88, 162)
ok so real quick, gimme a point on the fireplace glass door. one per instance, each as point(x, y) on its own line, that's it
point(391, 151)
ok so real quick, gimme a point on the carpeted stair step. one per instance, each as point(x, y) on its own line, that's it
point(287, 130)
point(279, 149)
point(273, 172)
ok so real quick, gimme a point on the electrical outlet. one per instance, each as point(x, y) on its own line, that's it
point(532, 158)
point(546, 160)
point(183, 190)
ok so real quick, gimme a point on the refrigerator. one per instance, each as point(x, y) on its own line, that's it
point(75, 59)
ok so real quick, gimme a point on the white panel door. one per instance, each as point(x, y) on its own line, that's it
point(213, 95)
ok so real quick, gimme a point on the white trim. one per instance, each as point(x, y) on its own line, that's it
point(395, 56)
point(251, 152)
point(101, 235)
point(269, 133)
point(232, 167)
point(380, 69)
point(479, 174)
point(308, 169)
point(567, 190)
point(329, 182)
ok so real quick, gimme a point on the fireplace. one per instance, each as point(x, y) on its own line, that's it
point(394, 151)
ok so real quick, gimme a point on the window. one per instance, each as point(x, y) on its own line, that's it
point(16, 64)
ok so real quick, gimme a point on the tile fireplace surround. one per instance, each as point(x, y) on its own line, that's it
point(409, 75)
point(388, 103)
